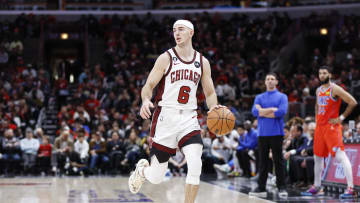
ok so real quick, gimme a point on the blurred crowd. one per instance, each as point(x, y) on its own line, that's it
point(98, 126)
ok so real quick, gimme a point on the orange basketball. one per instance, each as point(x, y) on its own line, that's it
point(220, 121)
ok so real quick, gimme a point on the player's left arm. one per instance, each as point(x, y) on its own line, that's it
point(347, 98)
point(208, 86)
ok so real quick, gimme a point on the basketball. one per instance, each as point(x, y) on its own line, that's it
point(220, 121)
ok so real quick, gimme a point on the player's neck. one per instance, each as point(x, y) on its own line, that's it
point(326, 85)
point(185, 51)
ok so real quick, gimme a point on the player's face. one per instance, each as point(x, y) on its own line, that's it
point(182, 33)
point(270, 82)
point(324, 76)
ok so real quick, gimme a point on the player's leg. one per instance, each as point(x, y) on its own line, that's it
point(190, 142)
point(154, 172)
point(192, 154)
point(320, 151)
point(341, 157)
point(163, 146)
point(336, 144)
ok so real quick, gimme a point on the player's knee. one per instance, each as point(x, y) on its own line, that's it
point(194, 171)
point(193, 157)
point(156, 172)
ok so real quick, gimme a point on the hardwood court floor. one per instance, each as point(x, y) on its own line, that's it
point(108, 190)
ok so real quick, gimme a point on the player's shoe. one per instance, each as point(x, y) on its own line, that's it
point(223, 168)
point(313, 191)
point(136, 179)
point(348, 194)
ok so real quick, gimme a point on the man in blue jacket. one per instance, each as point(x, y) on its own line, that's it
point(270, 108)
point(247, 142)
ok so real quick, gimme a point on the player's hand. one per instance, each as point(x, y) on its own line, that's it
point(335, 120)
point(258, 107)
point(145, 112)
point(216, 107)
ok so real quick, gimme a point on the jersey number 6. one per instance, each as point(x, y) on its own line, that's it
point(184, 94)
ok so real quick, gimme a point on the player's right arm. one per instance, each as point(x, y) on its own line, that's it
point(162, 62)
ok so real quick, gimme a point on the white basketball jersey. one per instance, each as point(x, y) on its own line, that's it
point(177, 89)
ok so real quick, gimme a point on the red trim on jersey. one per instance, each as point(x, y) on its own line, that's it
point(160, 90)
point(187, 137)
point(154, 121)
point(186, 62)
point(201, 65)
point(170, 64)
point(164, 148)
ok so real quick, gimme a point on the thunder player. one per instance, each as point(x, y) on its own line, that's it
point(328, 132)
point(174, 124)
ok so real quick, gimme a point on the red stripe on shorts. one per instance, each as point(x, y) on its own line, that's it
point(164, 148)
point(154, 121)
point(187, 137)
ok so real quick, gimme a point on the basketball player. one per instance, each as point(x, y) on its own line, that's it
point(174, 123)
point(328, 133)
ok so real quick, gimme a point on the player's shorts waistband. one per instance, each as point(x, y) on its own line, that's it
point(175, 110)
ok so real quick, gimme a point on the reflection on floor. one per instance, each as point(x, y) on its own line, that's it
point(245, 185)
point(108, 190)
point(105, 189)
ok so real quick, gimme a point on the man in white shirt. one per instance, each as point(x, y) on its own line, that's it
point(221, 149)
point(29, 147)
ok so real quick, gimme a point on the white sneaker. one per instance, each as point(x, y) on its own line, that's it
point(136, 179)
point(223, 168)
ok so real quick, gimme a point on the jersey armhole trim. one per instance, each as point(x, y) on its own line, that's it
point(201, 65)
point(331, 94)
point(170, 65)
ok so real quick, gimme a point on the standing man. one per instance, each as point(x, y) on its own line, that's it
point(174, 123)
point(270, 108)
point(328, 133)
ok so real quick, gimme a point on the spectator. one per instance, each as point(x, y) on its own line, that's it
point(98, 154)
point(305, 168)
point(11, 152)
point(116, 150)
point(4, 57)
point(221, 149)
point(81, 147)
point(133, 150)
point(29, 147)
point(44, 155)
point(298, 143)
point(177, 164)
point(245, 150)
point(92, 104)
point(62, 148)
point(115, 128)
